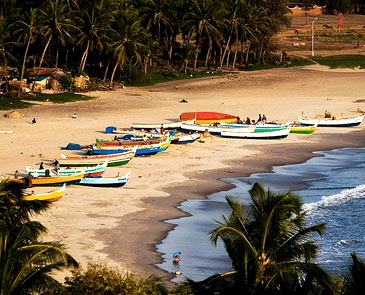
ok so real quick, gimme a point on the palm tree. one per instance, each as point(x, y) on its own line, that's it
point(27, 30)
point(56, 24)
point(155, 13)
point(269, 246)
point(129, 43)
point(93, 24)
point(202, 20)
point(26, 262)
point(354, 282)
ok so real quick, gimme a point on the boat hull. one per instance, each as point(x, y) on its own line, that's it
point(351, 122)
point(50, 197)
point(260, 135)
point(87, 161)
point(106, 182)
point(208, 117)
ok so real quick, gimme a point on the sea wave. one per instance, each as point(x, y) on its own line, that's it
point(337, 199)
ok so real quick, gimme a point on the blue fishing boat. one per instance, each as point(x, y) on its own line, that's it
point(106, 182)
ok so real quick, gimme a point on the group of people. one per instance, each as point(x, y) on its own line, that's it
point(261, 119)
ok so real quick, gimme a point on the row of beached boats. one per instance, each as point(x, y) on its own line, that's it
point(150, 139)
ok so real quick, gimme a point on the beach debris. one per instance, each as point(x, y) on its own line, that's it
point(183, 100)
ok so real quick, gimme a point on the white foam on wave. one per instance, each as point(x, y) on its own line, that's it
point(337, 199)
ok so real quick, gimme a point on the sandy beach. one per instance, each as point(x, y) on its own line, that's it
point(123, 225)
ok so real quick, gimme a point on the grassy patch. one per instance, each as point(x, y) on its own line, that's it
point(292, 62)
point(342, 61)
point(58, 98)
point(155, 78)
point(11, 102)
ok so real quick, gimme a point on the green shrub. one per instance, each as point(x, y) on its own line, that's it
point(99, 279)
point(132, 76)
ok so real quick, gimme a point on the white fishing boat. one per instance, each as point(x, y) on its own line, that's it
point(242, 133)
point(215, 129)
point(332, 122)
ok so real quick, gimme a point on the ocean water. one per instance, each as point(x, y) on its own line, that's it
point(332, 188)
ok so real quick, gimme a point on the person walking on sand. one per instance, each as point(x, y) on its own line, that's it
point(34, 121)
point(16, 174)
point(74, 116)
point(41, 166)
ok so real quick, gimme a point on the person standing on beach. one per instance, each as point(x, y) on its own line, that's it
point(56, 165)
point(263, 118)
point(176, 257)
point(41, 166)
point(259, 118)
point(34, 121)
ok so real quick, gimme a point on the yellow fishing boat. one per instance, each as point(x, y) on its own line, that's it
point(51, 196)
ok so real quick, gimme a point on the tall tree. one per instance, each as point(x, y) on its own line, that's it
point(202, 21)
point(270, 247)
point(57, 25)
point(93, 23)
point(26, 262)
point(27, 31)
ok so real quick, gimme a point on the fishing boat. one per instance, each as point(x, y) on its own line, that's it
point(168, 125)
point(184, 138)
point(53, 196)
point(50, 180)
point(117, 159)
point(88, 172)
point(207, 117)
point(141, 150)
point(301, 129)
point(215, 129)
point(333, 122)
point(241, 133)
point(258, 127)
point(130, 142)
point(106, 182)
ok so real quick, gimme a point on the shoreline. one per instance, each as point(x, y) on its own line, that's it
point(202, 185)
point(122, 226)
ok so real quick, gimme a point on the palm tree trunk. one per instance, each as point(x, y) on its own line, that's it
point(247, 51)
point(24, 60)
point(235, 58)
point(224, 54)
point(106, 73)
point(44, 50)
point(197, 52)
point(170, 54)
point(66, 56)
point(83, 58)
point(111, 84)
point(228, 56)
point(208, 53)
point(57, 55)
point(241, 53)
